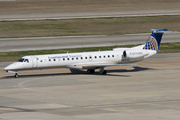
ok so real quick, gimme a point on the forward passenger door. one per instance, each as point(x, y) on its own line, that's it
point(34, 62)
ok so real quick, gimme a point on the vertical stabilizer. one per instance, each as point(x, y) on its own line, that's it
point(154, 40)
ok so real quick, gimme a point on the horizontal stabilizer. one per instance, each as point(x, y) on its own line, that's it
point(161, 31)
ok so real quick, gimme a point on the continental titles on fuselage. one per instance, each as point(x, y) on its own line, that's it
point(64, 56)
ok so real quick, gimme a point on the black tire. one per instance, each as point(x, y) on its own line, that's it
point(16, 75)
point(104, 72)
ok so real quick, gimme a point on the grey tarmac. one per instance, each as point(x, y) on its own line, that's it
point(96, 14)
point(150, 90)
point(46, 43)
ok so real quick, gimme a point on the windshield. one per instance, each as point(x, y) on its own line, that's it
point(21, 60)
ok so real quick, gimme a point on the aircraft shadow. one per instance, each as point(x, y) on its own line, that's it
point(17, 109)
point(39, 75)
point(79, 72)
point(136, 69)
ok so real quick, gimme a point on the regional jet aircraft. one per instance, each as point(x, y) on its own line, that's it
point(90, 60)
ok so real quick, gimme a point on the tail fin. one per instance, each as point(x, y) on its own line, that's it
point(154, 40)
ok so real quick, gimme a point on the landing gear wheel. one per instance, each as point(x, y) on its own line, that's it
point(104, 72)
point(91, 71)
point(16, 75)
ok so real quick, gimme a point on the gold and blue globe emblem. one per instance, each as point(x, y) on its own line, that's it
point(151, 44)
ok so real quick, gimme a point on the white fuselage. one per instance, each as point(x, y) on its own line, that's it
point(77, 60)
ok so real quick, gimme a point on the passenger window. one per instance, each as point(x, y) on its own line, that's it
point(77, 58)
point(72, 58)
point(63, 59)
point(49, 59)
point(81, 58)
point(54, 59)
point(67, 58)
point(104, 56)
point(108, 56)
point(90, 57)
point(95, 57)
point(85, 57)
point(41, 60)
point(99, 56)
point(112, 55)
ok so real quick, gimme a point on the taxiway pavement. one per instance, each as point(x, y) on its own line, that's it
point(96, 14)
point(45, 43)
point(150, 90)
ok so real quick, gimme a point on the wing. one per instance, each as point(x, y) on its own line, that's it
point(104, 65)
point(96, 66)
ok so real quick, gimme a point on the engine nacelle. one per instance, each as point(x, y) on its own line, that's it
point(134, 53)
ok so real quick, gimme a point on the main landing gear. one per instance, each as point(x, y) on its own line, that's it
point(102, 71)
point(90, 70)
point(16, 75)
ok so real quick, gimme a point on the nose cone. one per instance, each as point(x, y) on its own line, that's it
point(13, 66)
point(6, 68)
point(9, 67)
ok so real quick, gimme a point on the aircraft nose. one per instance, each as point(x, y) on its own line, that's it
point(6, 68)
point(14, 66)
point(10, 67)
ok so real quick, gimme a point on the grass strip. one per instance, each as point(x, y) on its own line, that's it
point(89, 26)
point(13, 56)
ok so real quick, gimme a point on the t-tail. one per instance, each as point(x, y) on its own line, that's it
point(150, 48)
point(154, 40)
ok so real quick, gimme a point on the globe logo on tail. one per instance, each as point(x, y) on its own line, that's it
point(151, 44)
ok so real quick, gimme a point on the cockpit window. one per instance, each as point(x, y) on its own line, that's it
point(26, 60)
point(21, 60)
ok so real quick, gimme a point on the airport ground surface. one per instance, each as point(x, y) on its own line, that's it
point(44, 43)
point(150, 90)
point(54, 6)
point(92, 14)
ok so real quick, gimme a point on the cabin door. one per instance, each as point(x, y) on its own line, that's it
point(34, 62)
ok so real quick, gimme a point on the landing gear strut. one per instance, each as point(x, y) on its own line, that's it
point(16, 75)
point(102, 71)
point(90, 70)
